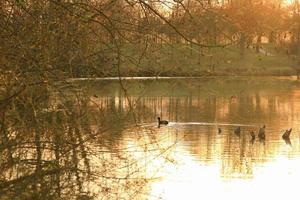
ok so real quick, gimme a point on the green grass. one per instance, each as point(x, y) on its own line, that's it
point(184, 60)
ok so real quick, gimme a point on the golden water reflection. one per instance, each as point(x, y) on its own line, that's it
point(108, 146)
point(223, 166)
point(190, 160)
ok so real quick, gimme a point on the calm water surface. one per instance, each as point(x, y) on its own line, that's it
point(189, 159)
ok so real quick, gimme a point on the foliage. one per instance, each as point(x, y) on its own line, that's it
point(45, 129)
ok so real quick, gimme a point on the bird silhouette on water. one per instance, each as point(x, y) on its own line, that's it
point(262, 133)
point(162, 122)
point(286, 134)
point(219, 130)
point(252, 134)
point(237, 131)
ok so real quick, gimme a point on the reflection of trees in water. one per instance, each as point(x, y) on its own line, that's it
point(237, 158)
point(238, 155)
point(55, 147)
point(247, 108)
point(43, 152)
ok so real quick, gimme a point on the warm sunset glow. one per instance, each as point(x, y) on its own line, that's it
point(139, 99)
point(202, 181)
point(288, 2)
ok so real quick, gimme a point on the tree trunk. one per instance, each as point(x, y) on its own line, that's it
point(242, 44)
point(258, 43)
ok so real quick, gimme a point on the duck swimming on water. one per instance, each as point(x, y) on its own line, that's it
point(237, 131)
point(286, 134)
point(162, 122)
point(219, 130)
point(252, 135)
point(261, 133)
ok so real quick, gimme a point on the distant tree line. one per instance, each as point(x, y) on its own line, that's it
point(81, 38)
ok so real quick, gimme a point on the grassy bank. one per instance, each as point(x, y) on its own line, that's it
point(186, 60)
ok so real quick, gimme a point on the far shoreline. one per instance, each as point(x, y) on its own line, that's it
point(116, 78)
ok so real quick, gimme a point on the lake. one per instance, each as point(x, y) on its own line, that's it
point(119, 152)
point(188, 158)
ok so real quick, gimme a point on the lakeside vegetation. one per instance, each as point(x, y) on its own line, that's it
point(181, 60)
point(47, 125)
point(62, 39)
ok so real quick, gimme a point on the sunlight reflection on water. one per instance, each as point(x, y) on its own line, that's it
point(273, 180)
point(200, 169)
point(194, 161)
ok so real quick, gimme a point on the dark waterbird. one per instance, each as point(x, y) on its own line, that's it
point(286, 134)
point(219, 130)
point(252, 134)
point(262, 133)
point(162, 122)
point(237, 131)
point(288, 141)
